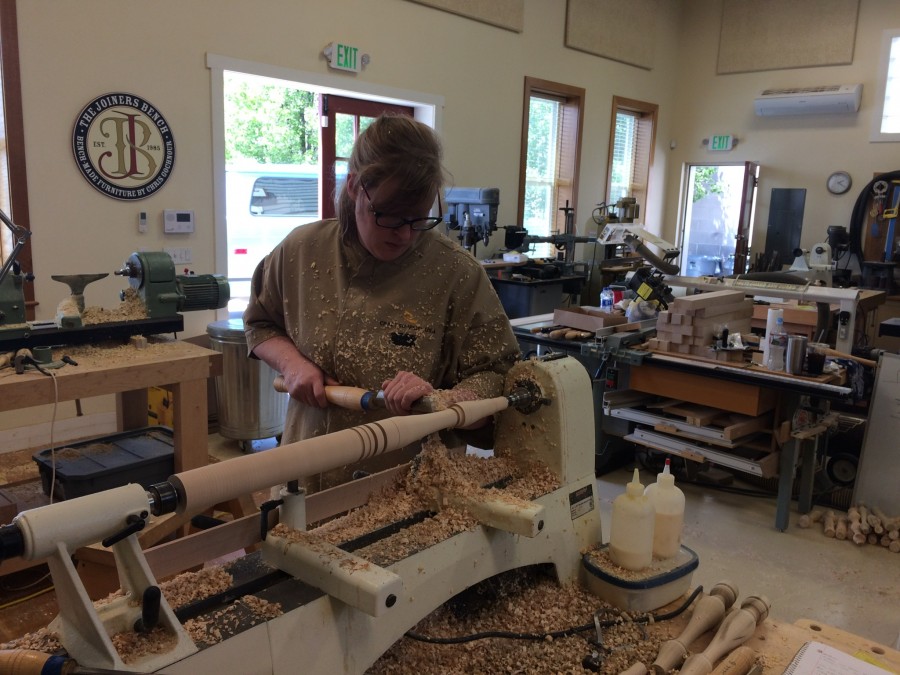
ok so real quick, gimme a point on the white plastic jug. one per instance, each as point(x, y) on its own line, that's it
point(631, 528)
point(667, 501)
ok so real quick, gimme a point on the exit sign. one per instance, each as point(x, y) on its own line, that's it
point(722, 142)
point(345, 57)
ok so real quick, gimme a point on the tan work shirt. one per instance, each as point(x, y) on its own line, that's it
point(432, 312)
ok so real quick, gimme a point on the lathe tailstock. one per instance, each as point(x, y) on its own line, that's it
point(341, 609)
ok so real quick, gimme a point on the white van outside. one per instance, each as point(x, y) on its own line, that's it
point(264, 203)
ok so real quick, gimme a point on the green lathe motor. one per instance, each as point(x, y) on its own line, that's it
point(152, 275)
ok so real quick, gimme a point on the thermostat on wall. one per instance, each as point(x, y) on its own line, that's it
point(178, 221)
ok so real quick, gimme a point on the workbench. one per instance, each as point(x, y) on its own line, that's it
point(743, 389)
point(128, 371)
point(753, 390)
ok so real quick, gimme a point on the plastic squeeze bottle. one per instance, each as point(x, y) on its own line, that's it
point(777, 346)
point(668, 505)
point(631, 528)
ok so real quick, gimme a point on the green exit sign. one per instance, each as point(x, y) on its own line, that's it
point(345, 57)
point(722, 142)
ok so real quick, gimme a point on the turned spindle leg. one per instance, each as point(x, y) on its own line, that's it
point(736, 629)
point(708, 613)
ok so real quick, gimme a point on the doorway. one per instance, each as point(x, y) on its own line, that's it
point(274, 164)
point(718, 209)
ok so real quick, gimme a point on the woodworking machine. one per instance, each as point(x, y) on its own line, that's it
point(150, 273)
point(340, 611)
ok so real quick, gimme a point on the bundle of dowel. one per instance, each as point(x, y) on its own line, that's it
point(204, 487)
point(861, 525)
point(693, 322)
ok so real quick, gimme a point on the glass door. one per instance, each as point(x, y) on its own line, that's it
point(717, 218)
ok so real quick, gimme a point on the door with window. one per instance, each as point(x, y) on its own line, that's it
point(341, 121)
point(286, 149)
point(717, 218)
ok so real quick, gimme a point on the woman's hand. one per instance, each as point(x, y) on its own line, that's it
point(306, 382)
point(303, 379)
point(403, 390)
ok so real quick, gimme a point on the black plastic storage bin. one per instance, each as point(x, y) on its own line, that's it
point(144, 456)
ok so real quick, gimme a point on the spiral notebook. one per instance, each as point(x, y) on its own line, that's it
point(815, 658)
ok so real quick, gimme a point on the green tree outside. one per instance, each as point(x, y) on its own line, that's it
point(269, 123)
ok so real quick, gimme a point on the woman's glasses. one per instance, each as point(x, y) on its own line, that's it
point(393, 222)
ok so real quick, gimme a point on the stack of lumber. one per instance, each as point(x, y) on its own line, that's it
point(693, 322)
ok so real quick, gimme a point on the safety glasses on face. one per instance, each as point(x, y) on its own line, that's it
point(393, 222)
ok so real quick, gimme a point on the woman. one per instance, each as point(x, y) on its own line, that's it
point(377, 298)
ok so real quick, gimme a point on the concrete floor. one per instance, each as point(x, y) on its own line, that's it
point(803, 573)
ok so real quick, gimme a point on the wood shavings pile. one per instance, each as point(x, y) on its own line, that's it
point(248, 610)
point(521, 601)
point(435, 468)
point(178, 592)
point(132, 308)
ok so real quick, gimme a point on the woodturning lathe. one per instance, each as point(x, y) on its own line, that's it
point(361, 609)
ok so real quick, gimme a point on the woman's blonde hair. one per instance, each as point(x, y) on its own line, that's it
point(393, 147)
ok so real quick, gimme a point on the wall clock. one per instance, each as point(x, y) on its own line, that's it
point(839, 182)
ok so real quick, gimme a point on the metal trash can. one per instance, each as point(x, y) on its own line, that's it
point(248, 405)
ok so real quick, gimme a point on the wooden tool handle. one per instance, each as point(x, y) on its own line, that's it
point(844, 355)
point(352, 398)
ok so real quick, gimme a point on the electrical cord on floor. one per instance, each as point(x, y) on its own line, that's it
point(567, 632)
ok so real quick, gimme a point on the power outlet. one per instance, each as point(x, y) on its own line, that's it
point(180, 256)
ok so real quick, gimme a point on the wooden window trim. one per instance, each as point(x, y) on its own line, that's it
point(15, 136)
point(573, 106)
point(644, 109)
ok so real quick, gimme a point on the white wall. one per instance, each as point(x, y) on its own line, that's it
point(794, 152)
point(73, 52)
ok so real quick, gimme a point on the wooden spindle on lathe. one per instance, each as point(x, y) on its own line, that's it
point(201, 488)
point(707, 614)
point(735, 630)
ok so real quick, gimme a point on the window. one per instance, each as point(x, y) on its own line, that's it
point(13, 183)
point(631, 139)
point(551, 145)
point(886, 126)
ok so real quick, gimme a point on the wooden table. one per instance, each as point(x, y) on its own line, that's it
point(127, 372)
point(776, 642)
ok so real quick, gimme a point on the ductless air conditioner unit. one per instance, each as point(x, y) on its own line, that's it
point(838, 98)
